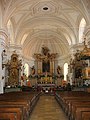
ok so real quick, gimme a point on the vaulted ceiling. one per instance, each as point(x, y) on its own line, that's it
point(53, 23)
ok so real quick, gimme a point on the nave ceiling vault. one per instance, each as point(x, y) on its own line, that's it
point(53, 23)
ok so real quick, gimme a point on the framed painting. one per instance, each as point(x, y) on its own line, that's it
point(86, 73)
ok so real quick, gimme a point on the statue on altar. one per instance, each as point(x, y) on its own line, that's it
point(72, 64)
point(13, 67)
point(58, 70)
point(33, 70)
point(45, 50)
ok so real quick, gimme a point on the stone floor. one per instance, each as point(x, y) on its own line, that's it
point(47, 108)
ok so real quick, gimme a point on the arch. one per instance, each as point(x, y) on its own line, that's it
point(65, 71)
point(82, 26)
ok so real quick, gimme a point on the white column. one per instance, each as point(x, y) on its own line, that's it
point(36, 66)
point(56, 64)
point(1, 80)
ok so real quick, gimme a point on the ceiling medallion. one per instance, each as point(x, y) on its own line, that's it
point(45, 8)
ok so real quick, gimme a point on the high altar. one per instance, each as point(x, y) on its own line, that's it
point(45, 64)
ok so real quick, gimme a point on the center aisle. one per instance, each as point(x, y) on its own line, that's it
point(47, 108)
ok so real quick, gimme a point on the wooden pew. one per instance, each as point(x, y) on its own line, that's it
point(76, 105)
point(62, 97)
point(24, 104)
point(8, 116)
point(79, 113)
point(23, 101)
point(23, 107)
point(86, 115)
point(69, 99)
point(71, 102)
point(17, 111)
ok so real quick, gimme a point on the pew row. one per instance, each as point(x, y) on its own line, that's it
point(17, 105)
point(75, 104)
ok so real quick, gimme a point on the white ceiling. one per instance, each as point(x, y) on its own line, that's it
point(53, 23)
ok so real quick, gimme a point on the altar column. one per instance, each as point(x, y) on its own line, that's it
point(51, 66)
point(39, 68)
point(36, 67)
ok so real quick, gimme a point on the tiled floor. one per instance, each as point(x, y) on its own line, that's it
point(47, 109)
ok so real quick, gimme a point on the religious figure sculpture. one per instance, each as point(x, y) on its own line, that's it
point(32, 70)
point(72, 64)
point(45, 50)
point(14, 66)
point(58, 70)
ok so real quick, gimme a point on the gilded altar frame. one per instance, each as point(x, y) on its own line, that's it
point(86, 73)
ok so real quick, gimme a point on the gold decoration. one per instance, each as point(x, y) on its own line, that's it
point(86, 73)
point(45, 59)
point(13, 67)
point(85, 53)
point(45, 55)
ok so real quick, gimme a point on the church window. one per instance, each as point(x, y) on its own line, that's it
point(65, 71)
point(26, 69)
point(81, 29)
point(10, 31)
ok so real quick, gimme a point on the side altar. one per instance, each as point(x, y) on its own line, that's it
point(13, 70)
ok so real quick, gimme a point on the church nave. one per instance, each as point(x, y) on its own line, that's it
point(47, 109)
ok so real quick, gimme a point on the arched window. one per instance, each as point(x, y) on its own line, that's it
point(65, 71)
point(81, 29)
point(26, 69)
point(10, 31)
